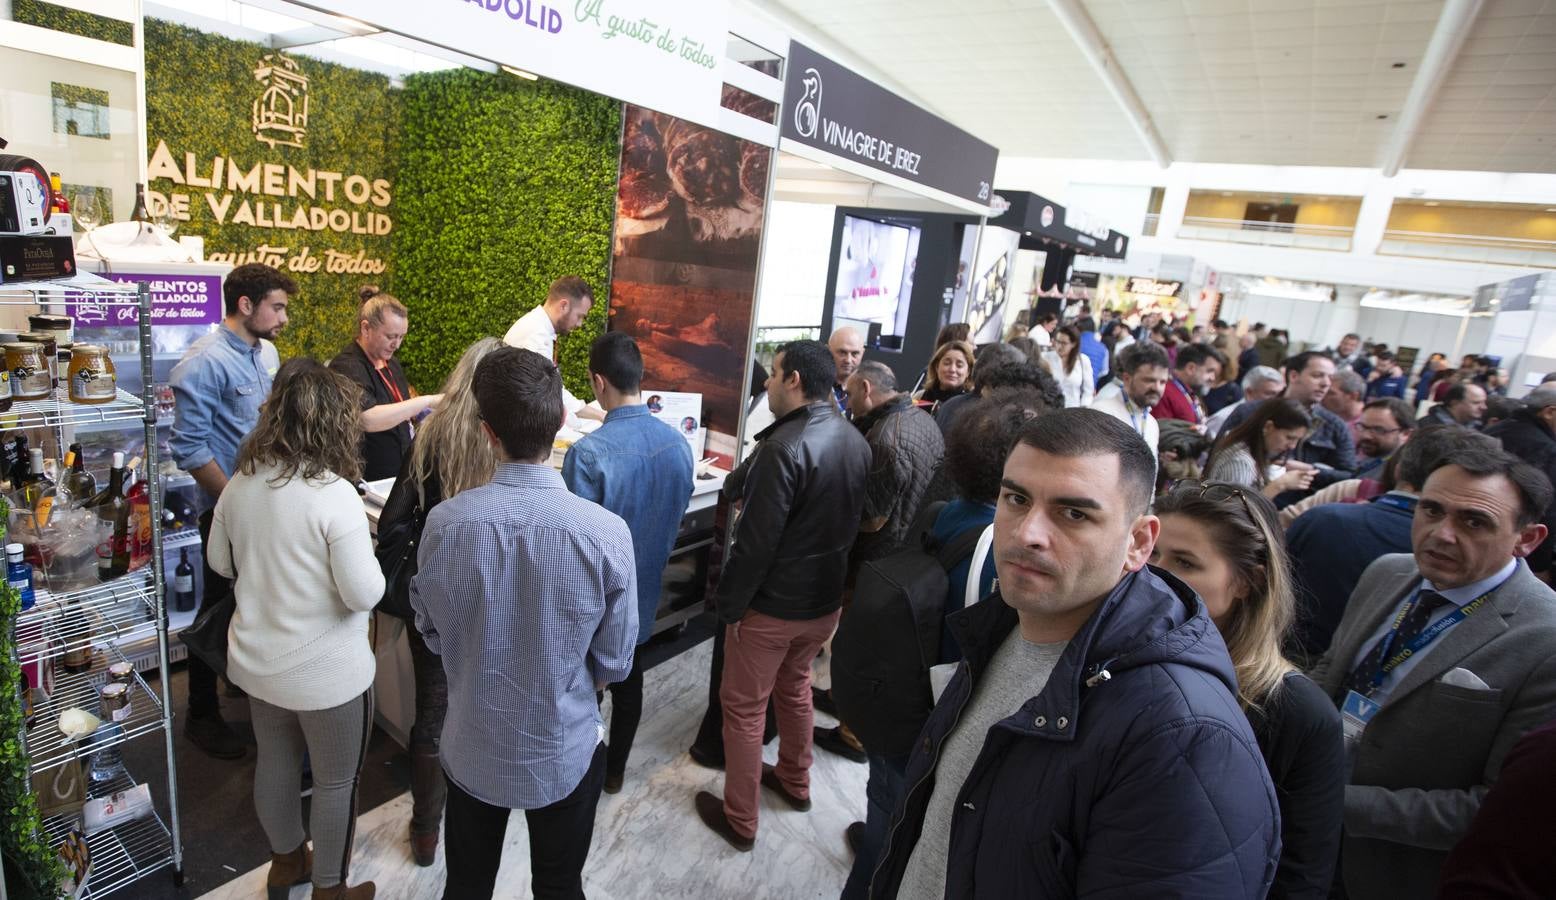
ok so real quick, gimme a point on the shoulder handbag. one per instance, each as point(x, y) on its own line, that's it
point(396, 552)
point(206, 636)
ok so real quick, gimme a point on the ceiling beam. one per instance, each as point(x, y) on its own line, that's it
point(1089, 40)
point(1453, 28)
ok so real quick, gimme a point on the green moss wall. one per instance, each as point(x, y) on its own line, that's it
point(505, 185)
point(73, 21)
point(200, 92)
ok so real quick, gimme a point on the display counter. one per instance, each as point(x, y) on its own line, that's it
point(681, 598)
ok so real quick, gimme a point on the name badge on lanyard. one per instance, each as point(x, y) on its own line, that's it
point(1355, 713)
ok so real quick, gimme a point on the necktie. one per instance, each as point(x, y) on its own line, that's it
point(1420, 616)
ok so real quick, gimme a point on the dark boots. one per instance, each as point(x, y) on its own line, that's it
point(429, 792)
point(363, 891)
point(288, 869)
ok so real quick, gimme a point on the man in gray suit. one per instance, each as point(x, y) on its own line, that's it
point(1443, 660)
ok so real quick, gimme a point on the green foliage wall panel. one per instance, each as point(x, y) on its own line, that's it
point(73, 21)
point(201, 91)
point(505, 185)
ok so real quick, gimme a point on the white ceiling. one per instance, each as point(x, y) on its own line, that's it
point(1279, 82)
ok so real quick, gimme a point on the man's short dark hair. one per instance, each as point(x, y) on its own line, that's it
point(1300, 362)
point(1353, 336)
point(1088, 433)
point(1141, 354)
point(1219, 324)
point(880, 375)
point(1197, 354)
point(1499, 408)
point(1022, 375)
point(615, 357)
point(1404, 414)
point(1085, 324)
point(1482, 461)
point(570, 287)
point(1045, 318)
point(519, 395)
point(991, 355)
point(976, 448)
point(254, 281)
point(1548, 377)
point(1384, 356)
point(1429, 449)
point(813, 360)
point(1457, 392)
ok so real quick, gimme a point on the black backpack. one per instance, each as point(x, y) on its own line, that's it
point(889, 637)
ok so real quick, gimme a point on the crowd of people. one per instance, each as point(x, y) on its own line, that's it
point(1137, 611)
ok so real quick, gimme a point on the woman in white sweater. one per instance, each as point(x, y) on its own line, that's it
point(290, 531)
point(1072, 368)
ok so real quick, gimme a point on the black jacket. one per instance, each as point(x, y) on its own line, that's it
point(907, 453)
point(1133, 773)
point(1527, 438)
point(383, 451)
point(1300, 736)
point(803, 490)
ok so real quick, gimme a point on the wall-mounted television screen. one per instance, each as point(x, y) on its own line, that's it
point(875, 273)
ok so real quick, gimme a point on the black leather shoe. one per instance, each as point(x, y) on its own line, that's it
point(705, 759)
point(613, 783)
point(831, 740)
point(771, 781)
point(710, 809)
point(854, 836)
point(214, 736)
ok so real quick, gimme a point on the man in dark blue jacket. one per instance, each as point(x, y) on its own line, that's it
point(1091, 742)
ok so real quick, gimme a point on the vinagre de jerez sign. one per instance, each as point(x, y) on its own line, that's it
point(835, 110)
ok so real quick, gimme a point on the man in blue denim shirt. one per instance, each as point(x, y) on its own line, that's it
point(530, 596)
point(218, 387)
point(640, 469)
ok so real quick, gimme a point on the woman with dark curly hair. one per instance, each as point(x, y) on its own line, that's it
point(289, 531)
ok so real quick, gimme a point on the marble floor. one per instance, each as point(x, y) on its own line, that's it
point(648, 841)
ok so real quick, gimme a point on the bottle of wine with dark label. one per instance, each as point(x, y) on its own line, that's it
point(183, 583)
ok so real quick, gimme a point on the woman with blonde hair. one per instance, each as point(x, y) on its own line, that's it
point(1225, 542)
point(289, 531)
point(389, 402)
point(948, 373)
point(450, 456)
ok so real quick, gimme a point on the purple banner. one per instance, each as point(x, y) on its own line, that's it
point(175, 300)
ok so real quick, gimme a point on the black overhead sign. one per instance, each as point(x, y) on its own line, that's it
point(1040, 221)
point(832, 109)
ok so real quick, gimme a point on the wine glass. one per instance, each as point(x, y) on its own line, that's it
point(85, 209)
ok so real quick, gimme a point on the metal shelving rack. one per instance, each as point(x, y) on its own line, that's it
point(106, 616)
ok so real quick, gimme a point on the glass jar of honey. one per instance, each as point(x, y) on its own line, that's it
point(50, 351)
point(92, 376)
point(30, 378)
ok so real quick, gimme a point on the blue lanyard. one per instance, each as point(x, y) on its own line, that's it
point(1422, 639)
point(1130, 407)
point(1193, 400)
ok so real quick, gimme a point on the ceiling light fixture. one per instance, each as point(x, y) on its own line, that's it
point(527, 76)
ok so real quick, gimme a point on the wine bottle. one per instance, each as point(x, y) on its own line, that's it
point(139, 498)
point(183, 583)
point(57, 201)
point(82, 486)
point(139, 214)
point(37, 491)
point(113, 528)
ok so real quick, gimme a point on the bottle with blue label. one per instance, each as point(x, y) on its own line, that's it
point(18, 574)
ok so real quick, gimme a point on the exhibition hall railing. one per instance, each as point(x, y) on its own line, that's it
point(1270, 234)
point(1479, 248)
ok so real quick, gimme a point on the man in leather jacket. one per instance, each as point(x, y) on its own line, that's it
point(803, 492)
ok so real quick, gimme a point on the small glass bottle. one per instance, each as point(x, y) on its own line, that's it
point(18, 574)
point(83, 487)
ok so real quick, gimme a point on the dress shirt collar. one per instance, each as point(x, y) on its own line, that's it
point(1461, 595)
point(529, 475)
point(543, 324)
point(630, 411)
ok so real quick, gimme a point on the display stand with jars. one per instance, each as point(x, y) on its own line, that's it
point(96, 588)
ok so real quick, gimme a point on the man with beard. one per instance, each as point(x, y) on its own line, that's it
point(219, 386)
point(1384, 426)
point(1090, 743)
point(847, 347)
point(1442, 661)
point(1352, 355)
point(1142, 376)
point(1195, 370)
